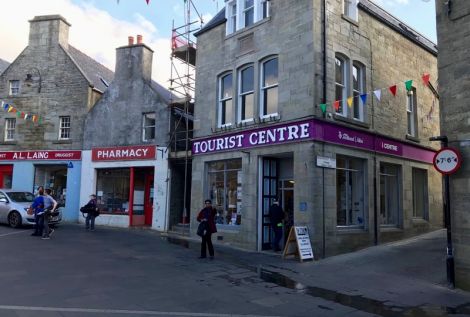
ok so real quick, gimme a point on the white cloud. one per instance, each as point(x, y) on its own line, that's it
point(95, 32)
point(391, 2)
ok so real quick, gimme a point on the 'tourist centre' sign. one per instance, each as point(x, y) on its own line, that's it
point(272, 135)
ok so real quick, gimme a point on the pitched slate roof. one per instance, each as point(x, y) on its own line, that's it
point(97, 75)
point(368, 7)
point(3, 65)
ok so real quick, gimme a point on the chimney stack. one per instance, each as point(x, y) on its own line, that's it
point(48, 30)
point(133, 62)
point(131, 40)
point(139, 39)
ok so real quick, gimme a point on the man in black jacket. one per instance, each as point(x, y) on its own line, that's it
point(276, 216)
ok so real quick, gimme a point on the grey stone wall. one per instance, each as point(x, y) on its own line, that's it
point(64, 90)
point(117, 118)
point(453, 35)
point(293, 32)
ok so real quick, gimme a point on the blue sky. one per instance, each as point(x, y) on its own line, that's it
point(100, 26)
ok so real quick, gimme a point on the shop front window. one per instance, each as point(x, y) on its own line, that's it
point(350, 192)
point(112, 190)
point(224, 187)
point(53, 177)
point(389, 195)
point(420, 193)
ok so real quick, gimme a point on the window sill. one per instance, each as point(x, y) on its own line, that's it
point(350, 20)
point(386, 228)
point(227, 228)
point(419, 220)
point(248, 28)
point(412, 138)
point(351, 121)
point(9, 143)
point(62, 142)
point(350, 230)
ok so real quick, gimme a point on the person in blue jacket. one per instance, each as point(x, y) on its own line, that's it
point(38, 209)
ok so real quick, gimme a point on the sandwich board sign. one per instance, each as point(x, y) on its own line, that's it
point(298, 244)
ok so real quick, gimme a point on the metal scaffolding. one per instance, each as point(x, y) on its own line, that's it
point(182, 86)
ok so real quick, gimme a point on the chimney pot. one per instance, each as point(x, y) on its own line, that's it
point(139, 39)
point(131, 40)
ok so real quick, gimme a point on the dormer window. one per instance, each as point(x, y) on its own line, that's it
point(244, 13)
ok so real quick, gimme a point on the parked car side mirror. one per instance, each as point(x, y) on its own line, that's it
point(3, 200)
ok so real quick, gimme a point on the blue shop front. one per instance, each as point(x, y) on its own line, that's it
point(57, 170)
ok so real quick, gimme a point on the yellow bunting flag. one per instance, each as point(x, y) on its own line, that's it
point(350, 101)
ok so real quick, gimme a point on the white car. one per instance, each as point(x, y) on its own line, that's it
point(14, 206)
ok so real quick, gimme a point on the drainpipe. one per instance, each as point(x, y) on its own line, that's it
point(323, 145)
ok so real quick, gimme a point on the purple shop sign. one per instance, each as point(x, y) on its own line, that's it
point(270, 135)
point(310, 130)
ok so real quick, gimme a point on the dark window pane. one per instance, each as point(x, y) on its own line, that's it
point(270, 74)
point(247, 79)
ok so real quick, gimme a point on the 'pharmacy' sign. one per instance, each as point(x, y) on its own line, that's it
point(123, 153)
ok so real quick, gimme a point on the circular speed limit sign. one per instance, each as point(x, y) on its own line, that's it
point(447, 160)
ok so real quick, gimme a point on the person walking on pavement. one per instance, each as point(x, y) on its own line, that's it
point(50, 206)
point(37, 207)
point(90, 210)
point(276, 215)
point(207, 214)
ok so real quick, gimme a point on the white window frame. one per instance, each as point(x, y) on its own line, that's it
point(14, 87)
point(222, 99)
point(10, 127)
point(344, 86)
point(245, 10)
point(263, 88)
point(145, 127)
point(245, 93)
point(411, 112)
point(350, 9)
point(236, 20)
point(232, 16)
point(357, 102)
point(64, 127)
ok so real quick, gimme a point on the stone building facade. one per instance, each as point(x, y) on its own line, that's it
point(125, 145)
point(267, 124)
point(453, 18)
point(3, 65)
point(55, 85)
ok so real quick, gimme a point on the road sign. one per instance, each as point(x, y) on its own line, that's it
point(447, 160)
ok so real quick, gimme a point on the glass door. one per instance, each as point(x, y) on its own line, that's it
point(269, 193)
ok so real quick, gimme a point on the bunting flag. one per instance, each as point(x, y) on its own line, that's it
point(425, 79)
point(19, 114)
point(147, 1)
point(408, 84)
point(378, 94)
point(336, 104)
point(364, 98)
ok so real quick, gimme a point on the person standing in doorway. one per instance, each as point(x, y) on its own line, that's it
point(50, 206)
point(276, 216)
point(207, 214)
point(90, 209)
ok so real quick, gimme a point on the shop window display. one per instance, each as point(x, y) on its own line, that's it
point(224, 186)
point(113, 190)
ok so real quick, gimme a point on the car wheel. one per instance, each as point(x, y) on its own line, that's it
point(14, 219)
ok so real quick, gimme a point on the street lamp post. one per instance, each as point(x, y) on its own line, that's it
point(450, 253)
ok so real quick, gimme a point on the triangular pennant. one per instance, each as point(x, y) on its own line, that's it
point(6, 106)
point(393, 90)
point(350, 101)
point(147, 1)
point(18, 114)
point(39, 119)
point(22, 114)
point(10, 109)
point(426, 79)
point(323, 107)
point(408, 84)
point(336, 104)
point(378, 94)
point(364, 98)
point(34, 118)
point(26, 116)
